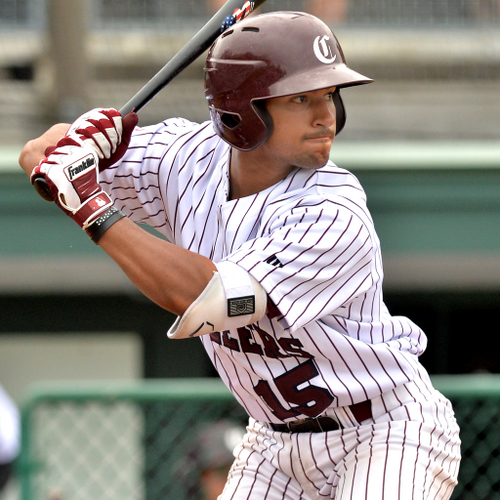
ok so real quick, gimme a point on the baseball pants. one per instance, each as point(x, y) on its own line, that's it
point(409, 450)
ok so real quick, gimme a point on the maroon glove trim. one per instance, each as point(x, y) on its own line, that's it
point(129, 123)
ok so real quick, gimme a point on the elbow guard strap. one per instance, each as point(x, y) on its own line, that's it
point(232, 299)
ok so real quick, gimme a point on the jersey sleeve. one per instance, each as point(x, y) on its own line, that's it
point(134, 183)
point(314, 260)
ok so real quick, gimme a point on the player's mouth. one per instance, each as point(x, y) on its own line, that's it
point(320, 136)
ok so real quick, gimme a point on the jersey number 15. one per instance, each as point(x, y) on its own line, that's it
point(311, 400)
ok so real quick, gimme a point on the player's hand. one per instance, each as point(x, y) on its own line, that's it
point(100, 129)
point(107, 132)
point(104, 130)
point(70, 172)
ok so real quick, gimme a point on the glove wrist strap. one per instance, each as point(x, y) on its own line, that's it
point(103, 223)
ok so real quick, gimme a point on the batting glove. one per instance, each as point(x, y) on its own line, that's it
point(104, 130)
point(71, 174)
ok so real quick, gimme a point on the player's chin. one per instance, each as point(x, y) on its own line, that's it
point(313, 160)
point(319, 148)
point(311, 165)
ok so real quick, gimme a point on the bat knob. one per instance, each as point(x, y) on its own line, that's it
point(42, 188)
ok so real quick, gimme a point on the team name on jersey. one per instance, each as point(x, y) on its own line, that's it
point(253, 340)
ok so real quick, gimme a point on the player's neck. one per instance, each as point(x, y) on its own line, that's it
point(250, 172)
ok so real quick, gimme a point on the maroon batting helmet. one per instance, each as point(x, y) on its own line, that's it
point(271, 55)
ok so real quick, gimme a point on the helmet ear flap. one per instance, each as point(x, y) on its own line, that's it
point(339, 111)
point(263, 113)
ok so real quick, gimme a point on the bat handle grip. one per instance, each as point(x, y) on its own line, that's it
point(42, 188)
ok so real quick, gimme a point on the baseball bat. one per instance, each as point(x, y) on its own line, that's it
point(230, 13)
point(200, 42)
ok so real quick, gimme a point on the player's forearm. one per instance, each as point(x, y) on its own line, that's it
point(34, 150)
point(170, 276)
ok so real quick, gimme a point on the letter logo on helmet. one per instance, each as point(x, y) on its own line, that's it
point(322, 50)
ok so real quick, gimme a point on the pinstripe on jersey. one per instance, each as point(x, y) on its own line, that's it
point(409, 450)
point(311, 243)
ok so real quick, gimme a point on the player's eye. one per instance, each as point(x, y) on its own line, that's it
point(299, 99)
point(329, 95)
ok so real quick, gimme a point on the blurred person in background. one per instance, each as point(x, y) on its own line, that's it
point(9, 436)
point(213, 455)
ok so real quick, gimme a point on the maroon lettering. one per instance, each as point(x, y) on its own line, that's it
point(229, 342)
point(311, 400)
point(247, 342)
point(293, 346)
point(264, 391)
point(271, 347)
point(215, 337)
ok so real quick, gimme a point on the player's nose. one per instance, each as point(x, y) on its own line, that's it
point(324, 114)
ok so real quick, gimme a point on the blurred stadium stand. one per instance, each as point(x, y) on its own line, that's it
point(436, 64)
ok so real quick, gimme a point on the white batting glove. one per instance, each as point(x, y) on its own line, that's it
point(69, 175)
point(70, 172)
point(99, 128)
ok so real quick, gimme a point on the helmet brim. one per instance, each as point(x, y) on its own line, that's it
point(339, 76)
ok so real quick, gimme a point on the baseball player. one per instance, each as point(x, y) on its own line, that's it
point(272, 259)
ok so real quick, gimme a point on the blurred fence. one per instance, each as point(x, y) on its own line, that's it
point(133, 441)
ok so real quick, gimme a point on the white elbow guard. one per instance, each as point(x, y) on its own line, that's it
point(232, 298)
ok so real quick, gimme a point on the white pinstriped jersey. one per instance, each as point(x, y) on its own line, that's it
point(309, 240)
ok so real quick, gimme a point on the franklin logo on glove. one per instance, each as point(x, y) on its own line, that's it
point(73, 172)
